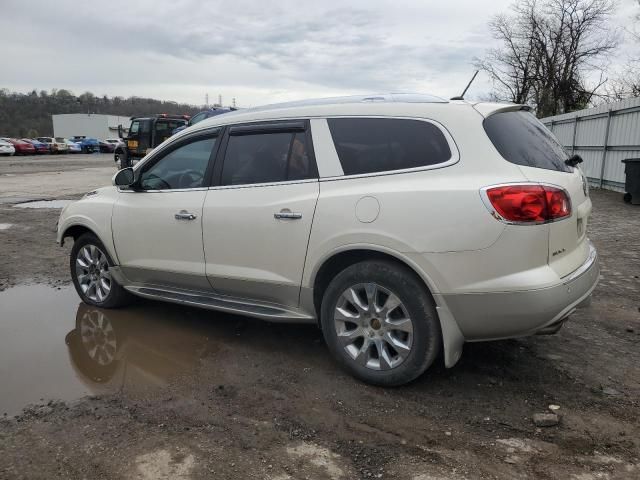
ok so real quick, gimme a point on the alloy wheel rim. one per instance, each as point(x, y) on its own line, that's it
point(373, 326)
point(92, 272)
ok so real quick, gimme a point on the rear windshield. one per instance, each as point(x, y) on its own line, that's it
point(522, 139)
point(59, 139)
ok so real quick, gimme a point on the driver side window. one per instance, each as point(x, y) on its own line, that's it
point(183, 167)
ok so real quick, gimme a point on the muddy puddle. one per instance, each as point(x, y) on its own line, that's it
point(44, 204)
point(53, 347)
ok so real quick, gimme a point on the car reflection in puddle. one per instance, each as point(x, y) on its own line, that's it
point(133, 348)
point(138, 349)
point(104, 351)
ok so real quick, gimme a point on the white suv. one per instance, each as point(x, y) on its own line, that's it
point(56, 144)
point(404, 225)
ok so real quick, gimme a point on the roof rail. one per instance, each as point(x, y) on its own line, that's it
point(375, 98)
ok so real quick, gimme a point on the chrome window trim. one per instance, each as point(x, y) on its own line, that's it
point(453, 147)
point(487, 203)
point(127, 190)
point(265, 184)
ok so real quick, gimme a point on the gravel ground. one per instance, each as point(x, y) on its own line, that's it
point(53, 176)
point(194, 394)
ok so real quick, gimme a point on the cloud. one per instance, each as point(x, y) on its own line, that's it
point(257, 51)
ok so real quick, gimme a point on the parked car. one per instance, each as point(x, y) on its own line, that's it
point(56, 144)
point(21, 147)
point(87, 145)
point(72, 147)
point(198, 117)
point(404, 225)
point(6, 148)
point(39, 146)
point(106, 147)
point(114, 141)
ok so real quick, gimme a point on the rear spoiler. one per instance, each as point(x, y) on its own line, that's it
point(488, 108)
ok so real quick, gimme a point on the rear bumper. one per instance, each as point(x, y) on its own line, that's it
point(492, 316)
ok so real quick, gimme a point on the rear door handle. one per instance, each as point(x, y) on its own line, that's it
point(184, 215)
point(287, 214)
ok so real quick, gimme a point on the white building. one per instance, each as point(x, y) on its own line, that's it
point(88, 124)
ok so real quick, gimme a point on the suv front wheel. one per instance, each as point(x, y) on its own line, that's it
point(380, 323)
point(90, 265)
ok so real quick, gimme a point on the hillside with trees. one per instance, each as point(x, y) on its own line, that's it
point(29, 114)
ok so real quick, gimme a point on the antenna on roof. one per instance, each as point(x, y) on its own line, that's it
point(461, 97)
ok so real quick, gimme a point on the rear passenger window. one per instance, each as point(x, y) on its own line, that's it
point(266, 158)
point(370, 145)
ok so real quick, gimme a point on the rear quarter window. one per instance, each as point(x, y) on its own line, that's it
point(522, 139)
point(371, 145)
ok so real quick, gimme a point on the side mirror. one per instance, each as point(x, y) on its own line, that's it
point(124, 177)
point(120, 134)
point(573, 160)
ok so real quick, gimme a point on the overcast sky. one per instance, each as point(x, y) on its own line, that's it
point(256, 51)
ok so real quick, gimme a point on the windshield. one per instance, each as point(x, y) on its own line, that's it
point(135, 126)
point(522, 139)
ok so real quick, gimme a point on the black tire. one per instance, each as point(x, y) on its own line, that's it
point(627, 197)
point(117, 296)
point(410, 290)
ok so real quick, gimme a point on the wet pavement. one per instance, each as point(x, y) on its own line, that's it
point(54, 347)
point(44, 204)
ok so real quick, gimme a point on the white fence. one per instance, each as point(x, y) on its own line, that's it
point(603, 136)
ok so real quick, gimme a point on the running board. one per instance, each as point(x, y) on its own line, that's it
point(222, 303)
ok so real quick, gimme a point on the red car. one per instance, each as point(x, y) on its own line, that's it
point(22, 147)
point(39, 146)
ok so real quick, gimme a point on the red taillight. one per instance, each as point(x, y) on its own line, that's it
point(529, 203)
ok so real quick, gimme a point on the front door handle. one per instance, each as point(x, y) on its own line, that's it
point(184, 215)
point(287, 214)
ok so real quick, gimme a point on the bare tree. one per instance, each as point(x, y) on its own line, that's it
point(550, 48)
point(627, 82)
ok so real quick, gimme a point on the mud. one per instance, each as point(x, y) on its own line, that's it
point(158, 391)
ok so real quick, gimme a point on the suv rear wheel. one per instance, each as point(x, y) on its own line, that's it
point(380, 323)
point(91, 276)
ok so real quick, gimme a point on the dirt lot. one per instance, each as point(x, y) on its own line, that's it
point(53, 176)
point(175, 392)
